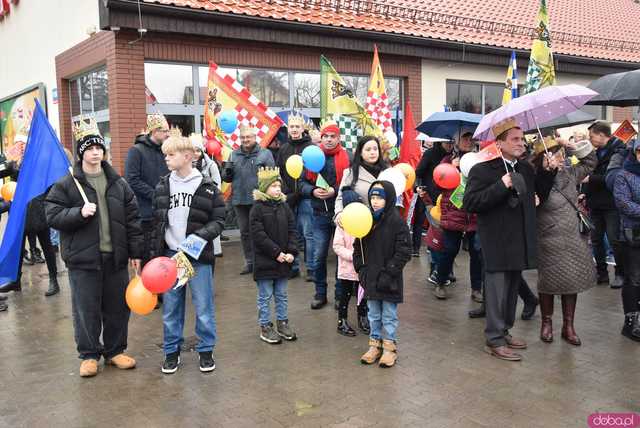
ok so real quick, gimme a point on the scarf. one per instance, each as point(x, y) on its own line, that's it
point(341, 161)
point(374, 170)
point(377, 214)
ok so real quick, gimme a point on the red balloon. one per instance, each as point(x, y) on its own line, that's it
point(159, 274)
point(214, 148)
point(446, 176)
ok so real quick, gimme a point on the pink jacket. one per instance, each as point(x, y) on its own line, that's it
point(343, 247)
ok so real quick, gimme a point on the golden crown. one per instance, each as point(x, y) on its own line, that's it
point(85, 127)
point(267, 173)
point(156, 121)
point(504, 126)
point(296, 118)
point(175, 132)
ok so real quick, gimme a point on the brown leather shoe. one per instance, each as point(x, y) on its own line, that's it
point(122, 361)
point(389, 353)
point(89, 368)
point(374, 352)
point(503, 353)
point(515, 343)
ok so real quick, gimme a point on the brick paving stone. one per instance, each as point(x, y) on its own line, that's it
point(443, 378)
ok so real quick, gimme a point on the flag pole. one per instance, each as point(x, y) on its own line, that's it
point(80, 189)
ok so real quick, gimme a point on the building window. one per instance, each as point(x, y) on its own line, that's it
point(473, 97)
point(169, 83)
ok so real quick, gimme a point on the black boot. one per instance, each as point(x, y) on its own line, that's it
point(54, 288)
point(36, 255)
point(478, 313)
point(344, 328)
point(631, 327)
point(14, 286)
point(3, 306)
point(318, 302)
point(529, 309)
point(363, 324)
point(28, 260)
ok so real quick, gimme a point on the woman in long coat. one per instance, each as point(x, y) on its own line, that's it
point(565, 263)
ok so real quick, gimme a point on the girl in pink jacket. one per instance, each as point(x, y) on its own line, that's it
point(343, 247)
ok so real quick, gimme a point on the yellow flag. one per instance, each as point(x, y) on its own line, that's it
point(541, 70)
point(377, 105)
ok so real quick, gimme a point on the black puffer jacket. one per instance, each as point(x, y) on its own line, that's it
point(79, 236)
point(424, 171)
point(36, 217)
point(387, 249)
point(206, 217)
point(599, 197)
point(273, 231)
point(143, 168)
point(290, 188)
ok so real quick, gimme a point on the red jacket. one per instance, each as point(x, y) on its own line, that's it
point(453, 218)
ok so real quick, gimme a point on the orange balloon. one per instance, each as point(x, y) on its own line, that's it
point(140, 300)
point(8, 191)
point(409, 174)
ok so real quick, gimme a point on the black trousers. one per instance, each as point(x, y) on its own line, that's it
point(347, 289)
point(99, 306)
point(44, 237)
point(631, 287)
point(242, 214)
point(500, 297)
point(607, 221)
point(419, 215)
point(147, 231)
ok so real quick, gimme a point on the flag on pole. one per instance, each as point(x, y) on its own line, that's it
point(43, 164)
point(541, 70)
point(337, 99)
point(410, 152)
point(511, 83)
point(377, 104)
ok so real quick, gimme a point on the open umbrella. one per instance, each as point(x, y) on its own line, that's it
point(577, 117)
point(618, 89)
point(428, 139)
point(536, 108)
point(446, 124)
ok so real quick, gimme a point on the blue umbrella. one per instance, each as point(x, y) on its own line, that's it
point(446, 124)
point(284, 115)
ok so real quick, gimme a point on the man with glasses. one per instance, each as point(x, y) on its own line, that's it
point(242, 172)
point(142, 170)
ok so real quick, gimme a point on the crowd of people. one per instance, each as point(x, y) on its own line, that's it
point(552, 205)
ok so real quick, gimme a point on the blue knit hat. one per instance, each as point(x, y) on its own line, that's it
point(349, 196)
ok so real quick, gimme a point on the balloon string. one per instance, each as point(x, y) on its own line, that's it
point(362, 252)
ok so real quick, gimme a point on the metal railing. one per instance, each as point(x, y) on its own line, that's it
point(421, 16)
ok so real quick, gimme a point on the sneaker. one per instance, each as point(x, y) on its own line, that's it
point(618, 282)
point(171, 363)
point(269, 335)
point(3, 306)
point(433, 279)
point(416, 253)
point(476, 296)
point(284, 330)
point(440, 292)
point(611, 261)
point(206, 362)
point(246, 270)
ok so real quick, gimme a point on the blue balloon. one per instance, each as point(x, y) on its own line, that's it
point(228, 121)
point(313, 158)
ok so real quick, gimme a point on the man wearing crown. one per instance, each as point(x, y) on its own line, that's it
point(143, 168)
point(503, 194)
point(322, 189)
point(96, 213)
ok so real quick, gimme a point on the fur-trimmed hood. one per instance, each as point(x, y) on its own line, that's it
point(261, 196)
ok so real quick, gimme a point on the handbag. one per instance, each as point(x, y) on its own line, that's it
point(434, 238)
point(586, 225)
point(632, 236)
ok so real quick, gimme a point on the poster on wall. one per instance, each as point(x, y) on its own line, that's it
point(16, 112)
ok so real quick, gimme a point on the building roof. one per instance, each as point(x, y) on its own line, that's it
point(599, 29)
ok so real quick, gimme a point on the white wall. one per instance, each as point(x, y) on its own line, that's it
point(33, 34)
point(436, 73)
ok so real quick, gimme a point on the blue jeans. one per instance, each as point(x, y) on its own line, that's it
point(452, 241)
point(268, 288)
point(304, 222)
point(435, 257)
point(383, 319)
point(173, 309)
point(323, 229)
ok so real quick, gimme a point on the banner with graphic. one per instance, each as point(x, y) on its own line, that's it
point(15, 120)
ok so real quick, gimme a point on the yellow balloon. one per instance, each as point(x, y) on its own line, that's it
point(436, 213)
point(409, 174)
point(438, 200)
point(356, 219)
point(8, 190)
point(294, 166)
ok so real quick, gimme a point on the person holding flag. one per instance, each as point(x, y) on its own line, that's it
point(96, 213)
point(322, 189)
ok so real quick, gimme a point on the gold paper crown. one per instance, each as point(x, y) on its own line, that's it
point(156, 121)
point(296, 117)
point(268, 173)
point(85, 127)
point(504, 126)
point(175, 132)
point(550, 144)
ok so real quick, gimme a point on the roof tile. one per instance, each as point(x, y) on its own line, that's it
point(611, 22)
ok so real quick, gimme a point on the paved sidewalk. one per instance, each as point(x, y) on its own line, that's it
point(443, 378)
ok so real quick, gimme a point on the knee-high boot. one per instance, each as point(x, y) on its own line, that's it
point(568, 312)
point(546, 310)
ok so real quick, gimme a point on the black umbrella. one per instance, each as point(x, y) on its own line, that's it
point(618, 89)
point(577, 117)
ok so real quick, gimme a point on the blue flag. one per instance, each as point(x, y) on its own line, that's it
point(43, 164)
